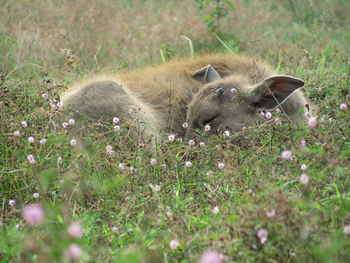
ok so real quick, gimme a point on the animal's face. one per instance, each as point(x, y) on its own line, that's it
point(232, 103)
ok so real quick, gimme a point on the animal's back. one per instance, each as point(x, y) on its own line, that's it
point(169, 88)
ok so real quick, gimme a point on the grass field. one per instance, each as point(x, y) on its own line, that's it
point(146, 204)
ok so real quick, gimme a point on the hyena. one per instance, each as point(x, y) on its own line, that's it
point(225, 91)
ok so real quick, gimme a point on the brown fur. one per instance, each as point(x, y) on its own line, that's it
point(162, 93)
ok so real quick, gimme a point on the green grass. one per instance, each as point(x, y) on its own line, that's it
point(91, 188)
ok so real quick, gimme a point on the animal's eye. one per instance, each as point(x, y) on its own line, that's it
point(219, 91)
point(209, 120)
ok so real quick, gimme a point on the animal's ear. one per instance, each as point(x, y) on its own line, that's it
point(206, 75)
point(273, 91)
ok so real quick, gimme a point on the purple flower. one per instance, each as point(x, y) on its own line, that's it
point(157, 188)
point(109, 149)
point(116, 128)
point(33, 214)
point(71, 121)
point(31, 139)
point(286, 154)
point(185, 125)
point(174, 244)
point(65, 125)
point(201, 144)
point(171, 137)
point(303, 166)
point(16, 133)
point(221, 165)
point(277, 110)
point(42, 141)
point(59, 161)
point(304, 179)
point(73, 142)
point(24, 124)
point(211, 256)
point(207, 128)
point(75, 230)
point(12, 202)
point(343, 107)
point(271, 213)
point(261, 114)
point(31, 159)
point(36, 195)
point(226, 133)
point(312, 122)
point(268, 115)
point(347, 230)
point(188, 164)
point(302, 143)
point(116, 120)
point(262, 235)
point(216, 210)
point(191, 142)
point(233, 90)
point(73, 252)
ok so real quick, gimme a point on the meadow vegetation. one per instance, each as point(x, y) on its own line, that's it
point(281, 195)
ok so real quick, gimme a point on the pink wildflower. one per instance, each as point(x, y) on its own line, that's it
point(31, 139)
point(268, 115)
point(171, 137)
point(71, 121)
point(302, 143)
point(191, 142)
point(347, 230)
point(271, 213)
point(153, 161)
point(207, 128)
point(304, 179)
point(174, 244)
point(312, 122)
point(65, 125)
point(116, 120)
point(201, 144)
point(33, 214)
point(215, 210)
point(262, 235)
point(24, 124)
point(188, 164)
point(73, 252)
point(185, 125)
point(286, 154)
point(221, 165)
point(73, 142)
point(42, 141)
point(277, 110)
point(59, 161)
point(31, 159)
point(12, 202)
point(211, 256)
point(16, 133)
point(343, 107)
point(226, 133)
point(116, 128)
point(75, 230)
point(36, 195)
point(233, 90)
point(261, 114)
point(303, 166)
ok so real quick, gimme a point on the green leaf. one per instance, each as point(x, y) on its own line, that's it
point(230, 4)
point(60, 219)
